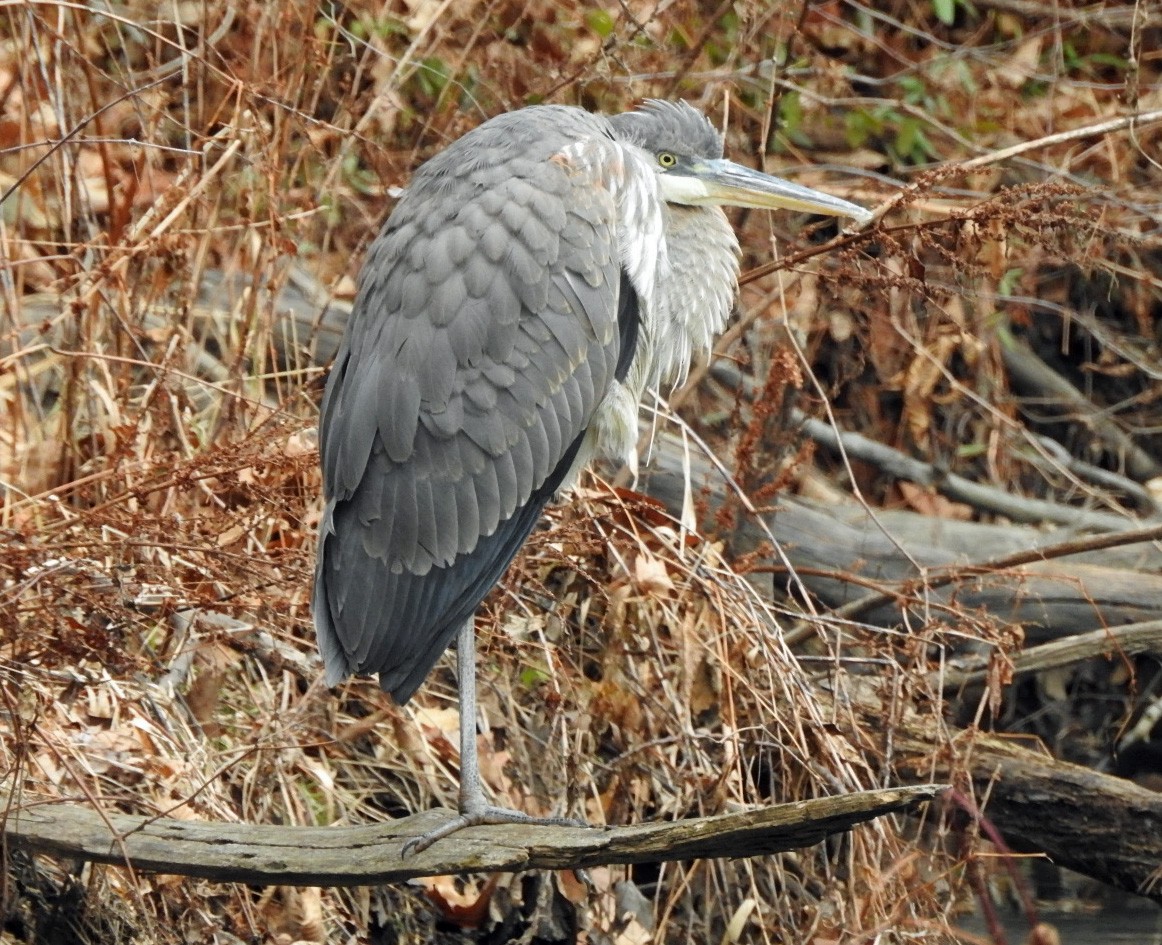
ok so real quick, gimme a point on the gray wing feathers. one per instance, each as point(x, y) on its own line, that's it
point(482, 338)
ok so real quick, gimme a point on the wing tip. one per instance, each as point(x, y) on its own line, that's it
point(336, 663)
point(400, 690)
point(336, 666)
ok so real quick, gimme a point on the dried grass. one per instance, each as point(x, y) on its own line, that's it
point(160, 166)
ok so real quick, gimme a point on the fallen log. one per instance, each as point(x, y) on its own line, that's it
point(1097, 824)
point(1094, 823)
point(837, 561)
point(365, 855)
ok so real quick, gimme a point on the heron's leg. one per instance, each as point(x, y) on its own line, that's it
point(472, 797)
point(474, 807)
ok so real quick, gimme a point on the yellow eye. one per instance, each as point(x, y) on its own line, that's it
point(666, 159)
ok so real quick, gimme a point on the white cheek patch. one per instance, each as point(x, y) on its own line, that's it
point(690, 191)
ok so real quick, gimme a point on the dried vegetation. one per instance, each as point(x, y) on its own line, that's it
point(187, 191)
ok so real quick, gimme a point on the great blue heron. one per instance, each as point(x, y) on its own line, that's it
point(534, 280)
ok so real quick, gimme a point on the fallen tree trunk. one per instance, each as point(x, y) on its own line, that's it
point(837, 560)
point(357, 856)
point(1099, 825)
point(1096, 824)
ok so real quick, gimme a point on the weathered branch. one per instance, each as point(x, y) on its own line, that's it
point(837, 561)
point(1124, 641)
point(1033, 377)
point(957, 488)
point(355, 856)
point(1096, 824)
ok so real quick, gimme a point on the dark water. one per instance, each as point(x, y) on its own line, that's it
point(1134, 926)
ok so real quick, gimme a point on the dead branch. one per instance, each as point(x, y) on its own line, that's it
point(1117, 642)
point(838, 562)
point(356, 856)
point(1135, 549)
point(1034, 378)
point(1097, 824)
point(957, 488)
point(1090, 16)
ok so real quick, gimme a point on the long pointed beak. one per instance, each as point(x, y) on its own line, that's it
point(730, 184)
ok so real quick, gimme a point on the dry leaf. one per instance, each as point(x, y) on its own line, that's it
point(572, 888)
point(203, 694)
point(232, 535)
point(929, 502)
point(1024, 64)
point(738, 921)
point(433, 721)
point(650, 574)
point(466, 907)
point(634, 933)
point(302, 443)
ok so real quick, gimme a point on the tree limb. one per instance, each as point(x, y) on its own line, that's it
point(1097, 824)
point(957, 488)
point(1123, 641)
point(1033, 377)
point(357, 856)
point(1048, 598)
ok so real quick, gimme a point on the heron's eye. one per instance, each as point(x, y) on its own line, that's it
point(666, 159)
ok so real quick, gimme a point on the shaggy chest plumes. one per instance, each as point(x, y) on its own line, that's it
point(692, 305)
point(696, 269)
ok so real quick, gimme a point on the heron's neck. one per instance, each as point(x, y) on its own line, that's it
point(693, 297)
point(693, 293)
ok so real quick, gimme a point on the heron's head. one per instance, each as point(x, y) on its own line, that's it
point(686, 151)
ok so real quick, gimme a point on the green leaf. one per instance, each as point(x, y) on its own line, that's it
point(913, 89)
point(1108, 59)
point(531, 677)
point(390, 26)
point(945, 11)
point(432, 75)
point(923, 147)
point(860, 125)
point(600, 22)
point(791, 116)
point(906, 137)
point(1009, 281)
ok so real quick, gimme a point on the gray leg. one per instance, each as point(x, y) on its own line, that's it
point(471, 787)
point(474, 808)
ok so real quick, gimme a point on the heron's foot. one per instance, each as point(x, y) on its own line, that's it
point(485, 814)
